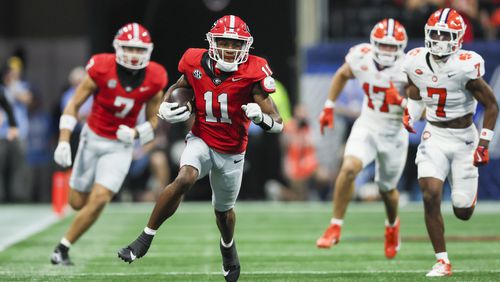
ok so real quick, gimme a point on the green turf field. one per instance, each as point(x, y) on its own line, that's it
point(276, 242)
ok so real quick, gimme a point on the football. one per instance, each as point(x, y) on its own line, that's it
point(182, 96)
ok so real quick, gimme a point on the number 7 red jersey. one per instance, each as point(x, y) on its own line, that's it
point(219, 119)
point(113, 105)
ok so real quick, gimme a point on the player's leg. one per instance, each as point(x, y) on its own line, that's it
point(195, 164)
point(464, 175)
point(81, 182)
point(389, 166)
point(360, 150)
point(225, 180)
point(342, 195)
point(433, 168)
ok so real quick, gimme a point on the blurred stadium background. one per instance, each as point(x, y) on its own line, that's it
point(305, 41)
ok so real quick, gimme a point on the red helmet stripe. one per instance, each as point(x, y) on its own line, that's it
point(390, 27)
point(444, 15)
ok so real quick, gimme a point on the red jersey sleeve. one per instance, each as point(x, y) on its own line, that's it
point(262, 73)
point(99, 64)
point(160, 77)
point(191, 57)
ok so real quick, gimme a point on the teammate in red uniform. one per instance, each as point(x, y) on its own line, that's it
point(121, 84)
point(231, 88)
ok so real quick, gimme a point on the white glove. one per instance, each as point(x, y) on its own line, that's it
point(125, 134)
point(253, 112)
point(167, 113)
point(62, 154)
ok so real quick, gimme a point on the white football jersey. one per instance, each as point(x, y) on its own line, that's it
point(442, 86)
point(375, 82)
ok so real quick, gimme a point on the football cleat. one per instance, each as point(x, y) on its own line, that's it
point(440, 269)
point(136, 249)
point(392, 240)
point(230, 263)
point(330, 237)
point(60, 256)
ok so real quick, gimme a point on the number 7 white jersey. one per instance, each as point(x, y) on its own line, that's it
point(442, 86)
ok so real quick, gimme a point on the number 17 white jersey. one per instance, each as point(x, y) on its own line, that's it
point(443, 86)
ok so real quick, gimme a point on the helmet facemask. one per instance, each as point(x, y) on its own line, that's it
point(386, 54)
point(132, 55)
point(442, 41)
point(222, 55)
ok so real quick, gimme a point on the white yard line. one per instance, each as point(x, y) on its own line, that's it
point(246, 273)
point(21, 221)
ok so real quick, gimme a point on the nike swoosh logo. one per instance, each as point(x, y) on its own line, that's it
point(468, 142)
point(237, 161)
point(234, 79)
point(451, 74)
point(225, 272)
point(142, 89)
point(132, 256)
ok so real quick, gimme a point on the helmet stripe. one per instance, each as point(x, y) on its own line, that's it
point(444, 15)
point(135, 28)
point(390, 27)
point(231, 22)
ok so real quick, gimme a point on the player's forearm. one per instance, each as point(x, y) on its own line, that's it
point(490, 116)
point(338, 83)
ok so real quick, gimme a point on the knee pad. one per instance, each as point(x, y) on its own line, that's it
point(461, 200)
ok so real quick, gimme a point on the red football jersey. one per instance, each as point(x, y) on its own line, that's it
point(112, 104)
point(219, 119)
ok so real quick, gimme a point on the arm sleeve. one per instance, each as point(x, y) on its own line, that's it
point(8, 109)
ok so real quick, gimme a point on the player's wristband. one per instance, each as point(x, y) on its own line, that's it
point(269, 125)
point(67, 122)
point(146, 132)
point(487, 134)
point(329, 103)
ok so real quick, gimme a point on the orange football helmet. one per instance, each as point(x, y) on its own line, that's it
point(444, 32)
point(133, 35)
point(392, 33)
point(229, 27)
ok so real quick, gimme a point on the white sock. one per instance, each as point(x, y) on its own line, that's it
point(149, 231)
point(65, 242)
point(336, 221)
point(226, 245)
point(393, 224)
point(443, 256)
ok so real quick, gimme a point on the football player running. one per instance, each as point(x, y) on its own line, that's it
point(377, 135)
point(121, 84)
point(231, 89)
point(447, 82)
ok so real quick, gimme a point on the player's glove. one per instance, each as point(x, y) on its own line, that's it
point(253, 112)
point(392, 96)
point(481, 156)
point(326, 118)
point(62, 154)
point(170, 112)
point(125, 134)
point(408, 122)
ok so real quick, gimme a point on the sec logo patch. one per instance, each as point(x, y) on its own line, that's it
point(426, 135)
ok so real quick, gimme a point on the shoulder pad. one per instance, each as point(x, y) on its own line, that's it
point(159, 74)
point(191, 57)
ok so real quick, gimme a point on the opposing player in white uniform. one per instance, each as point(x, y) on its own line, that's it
point(377, 135)
point(447, 82)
